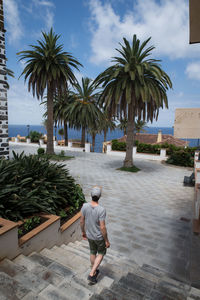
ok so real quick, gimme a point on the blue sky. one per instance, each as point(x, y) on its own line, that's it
point(91, 30)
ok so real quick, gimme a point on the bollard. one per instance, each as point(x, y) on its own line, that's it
point(108, 148)
point(87, 147)
point(163, 153)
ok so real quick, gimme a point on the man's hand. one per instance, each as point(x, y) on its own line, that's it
point(107, 244)
point(84, 236)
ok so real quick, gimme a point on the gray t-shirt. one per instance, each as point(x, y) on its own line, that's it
point(93, 214)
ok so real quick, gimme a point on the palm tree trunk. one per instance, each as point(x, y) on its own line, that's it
point(83, 137)
point(50, 147)
point(128, 162)
point(104, 132)
point(93, 141)
point(66, 133)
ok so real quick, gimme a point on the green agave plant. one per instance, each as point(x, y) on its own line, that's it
point(31, 184)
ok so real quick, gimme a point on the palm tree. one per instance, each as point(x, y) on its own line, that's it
point(93, 131)
point(61, 104)
point(49, 68)
point(61, 132)
point(135, 85)
point(106, 124)
point(84, 112)
point(123, 125)
point(139, 126)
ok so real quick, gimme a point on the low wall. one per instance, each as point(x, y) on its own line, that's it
point(142, 156)
point(57, 148)
point(46, 235)
point(196, 206)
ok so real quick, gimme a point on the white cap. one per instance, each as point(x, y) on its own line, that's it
point(96, 191)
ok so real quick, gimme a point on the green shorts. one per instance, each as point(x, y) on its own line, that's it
point(97, 246)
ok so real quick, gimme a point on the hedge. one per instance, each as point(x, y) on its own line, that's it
point(177, 155)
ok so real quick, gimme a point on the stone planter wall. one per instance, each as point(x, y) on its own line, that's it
point(4, 146)
point(46, 235)
point(196, 218)
point(142, 156)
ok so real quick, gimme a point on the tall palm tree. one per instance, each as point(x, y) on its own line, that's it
point(106, 124)
point(84, 111)
point(135, 85)
point(61, 104)
point(49, 68)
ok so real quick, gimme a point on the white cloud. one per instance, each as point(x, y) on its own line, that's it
point(193, 70)
point(13, 23)
point(44, 3)
point(49, 20)
point(22, 107)
point(165, 21)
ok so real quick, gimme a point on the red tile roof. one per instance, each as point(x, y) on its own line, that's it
point(148, 138)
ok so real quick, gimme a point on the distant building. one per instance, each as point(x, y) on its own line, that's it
point(157, 139)
point(4, 146)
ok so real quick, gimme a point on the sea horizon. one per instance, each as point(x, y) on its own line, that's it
point(14, 130)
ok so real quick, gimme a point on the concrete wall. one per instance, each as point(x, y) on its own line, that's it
point(142, 156)
point(4, 147)
point(47, 235)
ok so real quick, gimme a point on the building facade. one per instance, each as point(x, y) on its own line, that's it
point(4, 146)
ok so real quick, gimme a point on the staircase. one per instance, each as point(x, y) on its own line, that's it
point(60, 273)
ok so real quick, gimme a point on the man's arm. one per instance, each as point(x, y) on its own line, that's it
point(104, 233)
point(82, 224)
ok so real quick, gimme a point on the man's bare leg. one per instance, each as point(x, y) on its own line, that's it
point(92, 259)
point(97, 262)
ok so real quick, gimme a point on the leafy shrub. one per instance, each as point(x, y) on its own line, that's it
point(40, 151)
point(31, 184)
point(118, 146)
point(181, 158)
point(35, 136)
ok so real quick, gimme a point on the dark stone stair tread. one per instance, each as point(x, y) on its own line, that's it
point(156, 271)
point(156, 295)
point(172, 291)
point(109, 294)
point(126, 293)
point(10, 268)
point(40, 259)
point(11, 289)
point(136, 283)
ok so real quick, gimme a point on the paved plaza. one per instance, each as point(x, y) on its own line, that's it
point(148, 213)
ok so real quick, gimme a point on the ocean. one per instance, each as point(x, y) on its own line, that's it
point(14, 130)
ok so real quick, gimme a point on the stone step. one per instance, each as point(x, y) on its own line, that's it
point(75, 290)
point(34, 282)
point(120, 294)
point(25, 262)
point(103, 281)
point(43, 273)
point(85, 250)
point(76, 263)
point(53, 266)
point(54, 293)
point(11, 288)
point(33, 296)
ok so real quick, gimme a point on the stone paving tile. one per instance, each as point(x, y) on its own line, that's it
point(143, 209)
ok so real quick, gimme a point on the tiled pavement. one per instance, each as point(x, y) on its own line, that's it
point(144, 209)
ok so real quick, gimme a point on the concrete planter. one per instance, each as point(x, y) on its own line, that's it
point(87, 147)
point(28, 141)
point(46, 235)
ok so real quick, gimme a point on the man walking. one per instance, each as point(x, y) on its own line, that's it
point(94, 229)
